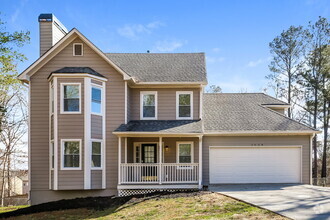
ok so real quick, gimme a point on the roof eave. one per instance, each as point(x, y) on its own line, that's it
point(258, 133)
point(154, 134)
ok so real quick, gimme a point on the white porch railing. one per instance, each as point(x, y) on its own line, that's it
point(165, 173)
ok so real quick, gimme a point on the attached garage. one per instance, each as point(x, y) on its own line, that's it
point(260, 164)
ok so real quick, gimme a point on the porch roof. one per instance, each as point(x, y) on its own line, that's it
point(162, 126)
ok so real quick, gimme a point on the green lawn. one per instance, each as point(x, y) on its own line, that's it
point(11, 208)
point(204, 205)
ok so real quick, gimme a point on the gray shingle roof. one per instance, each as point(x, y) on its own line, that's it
point(78, 70)
point(244, 112)
point(162, 67)
point(164, 126)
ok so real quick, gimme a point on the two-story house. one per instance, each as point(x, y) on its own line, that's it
point(106, 124)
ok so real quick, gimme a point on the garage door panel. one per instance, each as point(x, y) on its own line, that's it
point(255, 165)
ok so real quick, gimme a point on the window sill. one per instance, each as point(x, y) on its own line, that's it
point(70, 113)
point(71, 168)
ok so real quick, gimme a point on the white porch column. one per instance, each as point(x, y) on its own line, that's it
point(119, 159)
point(160, 159)
point(125, 149)
point(200, 162)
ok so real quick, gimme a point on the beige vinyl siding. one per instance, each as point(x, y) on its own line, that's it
point(96, 127)
point(166, 103)
point(304, 141)
point(96, 176)
point(129, 92)
point(169, 156)
point(46, 36)
point(40, 117)
point(70, 126)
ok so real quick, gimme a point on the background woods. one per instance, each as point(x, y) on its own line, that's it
point(300, 75)
point(13, 110)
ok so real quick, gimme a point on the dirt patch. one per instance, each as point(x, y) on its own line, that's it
point(97, 203)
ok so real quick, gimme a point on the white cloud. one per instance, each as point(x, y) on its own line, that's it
point(214, 59)
point(132, 31)
point(18, 11)
point(258, 62)
point(216, 49)
point(167, 46)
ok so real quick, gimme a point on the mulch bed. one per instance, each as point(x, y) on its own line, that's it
point(98, 203)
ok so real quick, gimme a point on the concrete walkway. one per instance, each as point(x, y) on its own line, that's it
point(293, 201)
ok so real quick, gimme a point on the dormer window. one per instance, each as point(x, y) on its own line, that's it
point(78, 49)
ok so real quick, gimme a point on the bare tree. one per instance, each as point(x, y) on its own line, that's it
point(14, 127)
point(287, 52)
point(214, 89)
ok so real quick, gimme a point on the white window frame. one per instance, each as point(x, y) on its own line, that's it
point(62, 154)
point(191, 152)
point(82, 50)
point(91, 153)
point(142, 94)
point(62, 97)
point(93, 85)
point(178, 93)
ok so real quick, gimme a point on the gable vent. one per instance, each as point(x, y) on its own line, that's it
point(77, 49)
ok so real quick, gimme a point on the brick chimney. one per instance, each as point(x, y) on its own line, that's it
point(51, 31)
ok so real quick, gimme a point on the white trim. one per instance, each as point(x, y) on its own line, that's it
point(264, 146)
point(24, 76)
point(104, 135)
point(191, 150)
point(119, 160)
point(138, 144)
point(62, 154)
point(277, 106)
point(156, 134)
point(142, 93)
point(87, 133)
point(200, 158)
point(91, 153)
point(178, 93)
point(163, 186)
point(62, 97)
point(56, 147)
point(201, 103)
point(50, 131)
point(96, 86)
point(74, 50)
point(125, 150)
point(170, 83)
point(126, 88)
point(76, 75)
point(237, 133)
point(29, 142)
point(161, 158)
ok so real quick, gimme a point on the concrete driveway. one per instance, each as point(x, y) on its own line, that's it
point(293, 201)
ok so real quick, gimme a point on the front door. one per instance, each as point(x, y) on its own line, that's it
point(149, 155)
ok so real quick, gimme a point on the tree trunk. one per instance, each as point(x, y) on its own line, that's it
point(325, 145)
point(8, 176)
point(315, 137)
point(289, 94)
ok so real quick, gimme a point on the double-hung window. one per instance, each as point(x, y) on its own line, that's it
point(148, 105)
point(70, 97)
point(96, 100)
point(71, 154)
point(185, 152)
point(96, 154)
point(184, 105)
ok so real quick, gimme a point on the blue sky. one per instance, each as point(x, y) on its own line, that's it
point(233, 34)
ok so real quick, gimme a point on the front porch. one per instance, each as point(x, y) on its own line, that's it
point(159, 163)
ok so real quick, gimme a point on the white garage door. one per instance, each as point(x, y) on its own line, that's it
point(255, 165)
